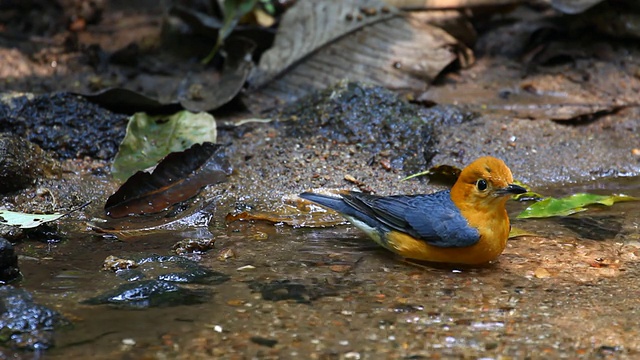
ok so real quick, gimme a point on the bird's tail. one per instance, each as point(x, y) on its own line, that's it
point(358, 218)
point(332, 202)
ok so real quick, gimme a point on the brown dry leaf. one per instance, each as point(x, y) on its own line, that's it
point(391, 51)
point(309, 25)
point(195, 87)
point(178, 177)
point(399, 53)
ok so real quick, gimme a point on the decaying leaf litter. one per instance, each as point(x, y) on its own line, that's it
point(312, 162)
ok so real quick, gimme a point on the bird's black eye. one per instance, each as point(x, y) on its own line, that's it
point(482, 185)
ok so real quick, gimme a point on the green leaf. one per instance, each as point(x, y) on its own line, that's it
point(234, 10)
point(27, 221)
point(570, 205)
point(268, 6)
point(151, 138)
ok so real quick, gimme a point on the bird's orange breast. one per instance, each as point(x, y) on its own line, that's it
point(483, 251)
point(492, 224)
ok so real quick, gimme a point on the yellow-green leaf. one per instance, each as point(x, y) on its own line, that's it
point(27, 221)
point(529, 195)
point(570, 205)
point(517, 232)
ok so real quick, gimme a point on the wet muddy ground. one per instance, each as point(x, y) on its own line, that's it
point(568, 291)
point(330, 293)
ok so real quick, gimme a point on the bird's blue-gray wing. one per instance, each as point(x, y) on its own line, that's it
point(432, 218)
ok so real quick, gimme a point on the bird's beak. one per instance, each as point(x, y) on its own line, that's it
point(511, 189)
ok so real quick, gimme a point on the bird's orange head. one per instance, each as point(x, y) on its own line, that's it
point(484, 185)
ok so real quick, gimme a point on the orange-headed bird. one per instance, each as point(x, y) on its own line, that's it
point(465, 225)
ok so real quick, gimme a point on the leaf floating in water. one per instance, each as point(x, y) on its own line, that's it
point(29, 221)
point(178, 177)
point(150, 138)
point(550, 207)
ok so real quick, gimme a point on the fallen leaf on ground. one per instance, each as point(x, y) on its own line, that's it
point(391, 51)
point(309, 25)
point(150, 138)
point(178, 177)
point(340, 268)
